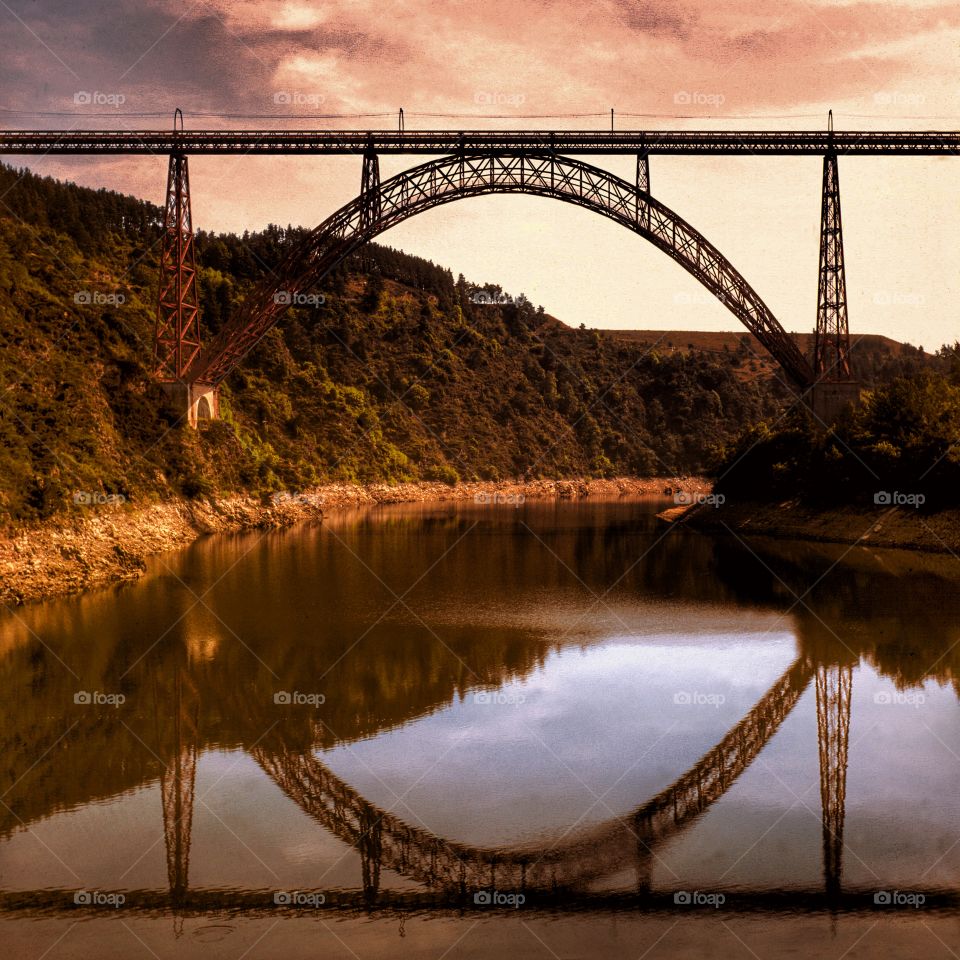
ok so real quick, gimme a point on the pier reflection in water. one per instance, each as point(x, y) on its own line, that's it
point(420, 705)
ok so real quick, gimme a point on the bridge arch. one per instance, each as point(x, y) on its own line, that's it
point(385, 204)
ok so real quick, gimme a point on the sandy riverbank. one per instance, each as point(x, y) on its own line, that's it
point(105, 543)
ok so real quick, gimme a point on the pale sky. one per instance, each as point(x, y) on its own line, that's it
point(681, 64)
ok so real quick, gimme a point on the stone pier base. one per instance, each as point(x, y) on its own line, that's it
point(829, 399)
point(194, 401)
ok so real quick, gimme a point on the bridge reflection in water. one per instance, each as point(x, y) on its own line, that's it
point(570, 864)
point(202, 696)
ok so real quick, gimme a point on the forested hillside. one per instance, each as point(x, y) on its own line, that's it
point(399, 374)
point(900, 447)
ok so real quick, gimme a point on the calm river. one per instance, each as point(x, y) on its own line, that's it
point(546, 730)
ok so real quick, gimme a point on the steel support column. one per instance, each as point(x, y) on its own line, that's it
point(643, 172)
point(834, 685)
point(834, 389)
point(177, 781)
point(177, 342)
point(832, 347)
point(370, 187)
point(370, 845)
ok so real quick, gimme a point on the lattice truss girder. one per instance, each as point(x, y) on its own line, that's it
point(451, 178)
point(437, 142)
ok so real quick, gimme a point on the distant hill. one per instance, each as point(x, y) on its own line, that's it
point(876, 358)
point(718, 341)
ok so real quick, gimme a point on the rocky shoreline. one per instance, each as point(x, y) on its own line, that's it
point(105, 543)
point(887, 527)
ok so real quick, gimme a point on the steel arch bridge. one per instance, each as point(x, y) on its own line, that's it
point(381, 206)
point(385, 841)
point(473, 163)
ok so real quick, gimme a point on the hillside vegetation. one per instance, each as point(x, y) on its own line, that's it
point(398, 375)
point(901, 447)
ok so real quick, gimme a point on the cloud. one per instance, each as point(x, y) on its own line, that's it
point(554, 56)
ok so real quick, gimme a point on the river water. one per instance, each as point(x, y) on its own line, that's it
point(560, 729)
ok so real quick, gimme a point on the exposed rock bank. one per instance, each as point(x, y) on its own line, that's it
point(879, 527)
point(107, 542)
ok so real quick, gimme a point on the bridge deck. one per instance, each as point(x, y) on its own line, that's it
point(433, 142)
